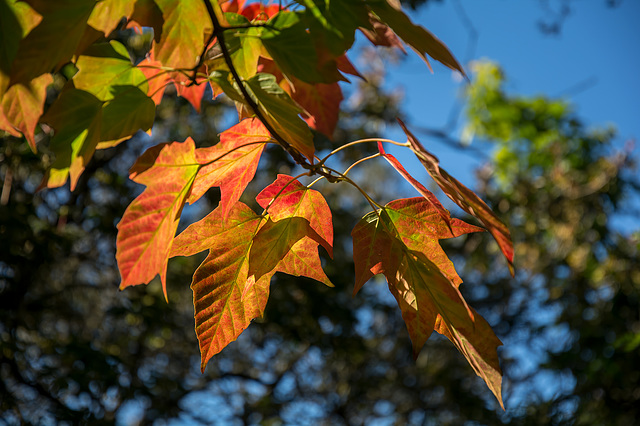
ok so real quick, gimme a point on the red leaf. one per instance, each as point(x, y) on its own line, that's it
point(321, 103)
point(147, 228)
point(224, 298)
point(22, 106)
point(226, 295)
point(292, 199)
point(232, 163)
point(274, 240)
point(401, 242)
point(464, 197)
point(428, 195)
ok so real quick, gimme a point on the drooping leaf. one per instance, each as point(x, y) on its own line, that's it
point(107, 14)
point(232, 163)
point(84, 123)
point(274, 240)
point(44, 48)
point(303, 261)
point(244, 46)
point(292, 47)
point(421, 290)
point(17, 19)
point(224, 297)
point(420, 226)
point(76, 117)
point(148, 226)
point(107, 65)
point(381, 35)
point(428, 195)
point(321, 103)
point(464, 197)
point(419, 38)
point(479, 345)
point(22, 106)
point(287, 197)
point(400, 241)
point(183, 32)
point(281, 113)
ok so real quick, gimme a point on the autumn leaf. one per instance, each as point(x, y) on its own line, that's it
point(43, 49)
point(105, 66)
point(428, 195)
point(421, 40)
point(224, 298)
point(226, 294)
point(401, 242)
point(148, 226)
point(107, 14)
point(183, 32)
point(22, 106)
point(232, 163)
point(282, 113)
point(321, 103)
point(464, 197)
point(287, 197)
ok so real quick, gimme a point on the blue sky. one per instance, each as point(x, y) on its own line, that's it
point(597, 49)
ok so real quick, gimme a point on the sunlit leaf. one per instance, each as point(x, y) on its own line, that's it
point(183, 32)
point(54, 40)
point(22, 106)
point(464, 197)
point(282, 113)
point(419, 38)
point(107, 14)
point(232, 163)
point(224, 298)
point(286, 197)
point(148, 226)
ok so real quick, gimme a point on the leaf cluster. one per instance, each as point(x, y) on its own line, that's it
point(281, 67)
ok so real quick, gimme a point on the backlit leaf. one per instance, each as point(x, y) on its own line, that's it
point(148, 226)
point(292, 199)
point(400, 241)
point(22, 106)
point(107, 14)
point(104, 66)
point(464, 197)
point(232, 163)
point(428, 195)
point(274, 240)
point(76, 117)
point(54, 40)
point(321, 103)
point(183, 32)
point(419, 38)
point(225, 299)
point(282, 113)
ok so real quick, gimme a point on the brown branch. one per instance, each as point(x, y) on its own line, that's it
point(218, 31)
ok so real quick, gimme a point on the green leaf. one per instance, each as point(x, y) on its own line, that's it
point(419, 38)
point(183, 32)
point(104, 66)
point(77, 118)
point(292, 47)
point(107, 14)
point(281, 113)
point(54, 40)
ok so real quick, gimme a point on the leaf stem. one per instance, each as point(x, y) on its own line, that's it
point(218, 31)
point(377, 154)
point(344, 177)
point(359, 141)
